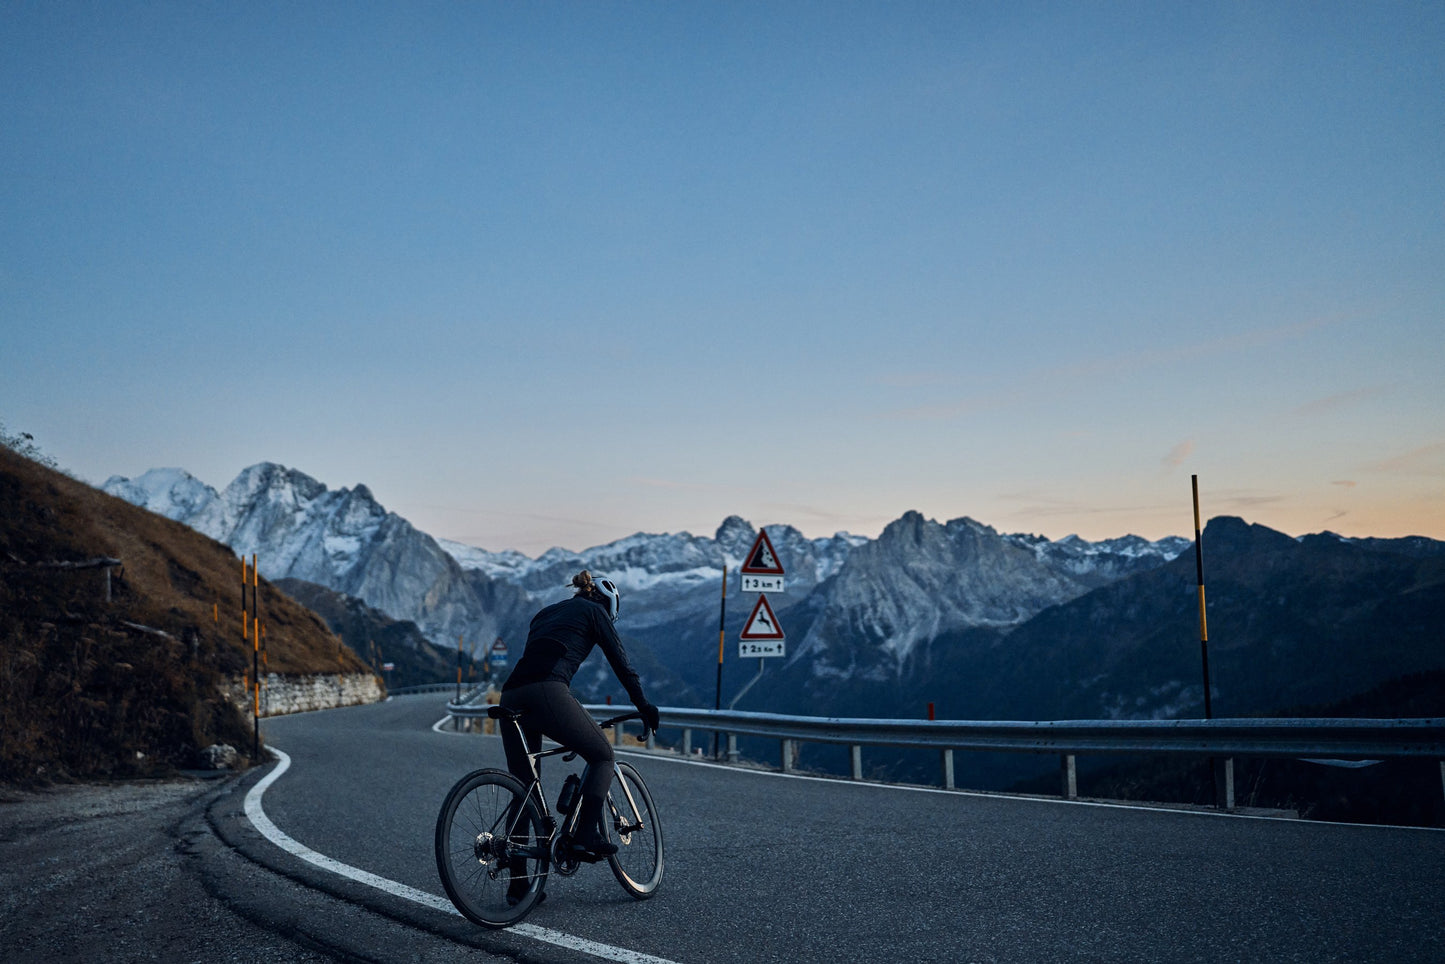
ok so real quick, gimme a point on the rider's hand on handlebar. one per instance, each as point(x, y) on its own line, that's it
point(651, 718)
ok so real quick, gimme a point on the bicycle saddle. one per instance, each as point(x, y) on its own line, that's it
point(502, 713)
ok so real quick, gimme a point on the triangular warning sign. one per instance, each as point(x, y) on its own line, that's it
point(762, 560)
point(762, 624)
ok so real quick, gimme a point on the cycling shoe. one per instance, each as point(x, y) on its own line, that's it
point(591, 851)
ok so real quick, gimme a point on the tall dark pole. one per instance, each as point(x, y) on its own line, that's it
point(1203, 623)
point(722, 616)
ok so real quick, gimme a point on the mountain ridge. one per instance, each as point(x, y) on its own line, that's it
point(988, 624)
point(344, 540)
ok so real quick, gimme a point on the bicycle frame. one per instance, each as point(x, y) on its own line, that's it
point(534, 786)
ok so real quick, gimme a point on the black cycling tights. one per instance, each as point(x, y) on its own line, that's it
point(549, 708)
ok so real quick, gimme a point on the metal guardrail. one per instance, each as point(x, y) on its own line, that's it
point(423, 688)
point(1338, 739)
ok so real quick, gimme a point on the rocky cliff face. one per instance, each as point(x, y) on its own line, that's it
point(920, 579)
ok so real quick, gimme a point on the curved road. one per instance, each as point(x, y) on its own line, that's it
point(762, 867)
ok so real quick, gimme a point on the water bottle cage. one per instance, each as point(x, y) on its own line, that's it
point(568, 796)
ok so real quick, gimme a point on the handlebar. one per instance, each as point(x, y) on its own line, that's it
point(607, 724)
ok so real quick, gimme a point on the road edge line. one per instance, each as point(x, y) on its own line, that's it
point(256, 814)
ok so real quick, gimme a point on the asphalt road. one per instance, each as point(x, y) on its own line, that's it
point(762, 867)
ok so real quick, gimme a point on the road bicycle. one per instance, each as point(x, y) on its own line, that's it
point(496, 840)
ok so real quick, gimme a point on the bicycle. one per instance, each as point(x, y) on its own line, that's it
point(496, 840)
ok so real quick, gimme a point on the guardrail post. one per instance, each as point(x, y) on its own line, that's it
point(1069, 771)
point(732, 748)
point(1224, 783)
point(856, 752)
point(948, 769)
point(651, 739)
point(788, 755)
point(687, 743)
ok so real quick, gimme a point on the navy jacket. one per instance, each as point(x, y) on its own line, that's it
point(559, 639)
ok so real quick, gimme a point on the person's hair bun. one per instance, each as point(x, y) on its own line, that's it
point(583, 581)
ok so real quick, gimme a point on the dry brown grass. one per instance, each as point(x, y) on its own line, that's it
point(83, 691)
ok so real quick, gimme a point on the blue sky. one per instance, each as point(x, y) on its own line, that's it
point(550, 274)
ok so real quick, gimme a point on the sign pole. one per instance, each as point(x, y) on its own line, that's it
point(722, 616)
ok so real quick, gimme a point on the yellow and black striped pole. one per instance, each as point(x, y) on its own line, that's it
point(255, 653)
point(1203, 623)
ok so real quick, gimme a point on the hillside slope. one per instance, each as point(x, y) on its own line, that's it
point(133, 685)
point(376, 636)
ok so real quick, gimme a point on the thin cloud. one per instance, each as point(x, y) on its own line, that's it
point(1179, 454)
point(814, 516)
point(1245, 501)
point(913, 379)
point(958, 409)
point(1113, 366)
point(649, 483)
point(1137, 361)
point(1332, 403)
point(1425, 460)
point(1033, 504)
point(1345, 483)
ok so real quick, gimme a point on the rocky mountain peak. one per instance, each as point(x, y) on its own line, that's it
point(735, 536)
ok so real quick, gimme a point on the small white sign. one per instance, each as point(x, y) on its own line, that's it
point(762, 648)
point(755, 583)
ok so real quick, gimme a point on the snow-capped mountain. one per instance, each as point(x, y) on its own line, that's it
point(920, 579)
point(852, 604)
point(341, 539)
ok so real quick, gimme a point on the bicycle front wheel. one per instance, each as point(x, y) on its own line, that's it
point(492, 848)
point(630, 819)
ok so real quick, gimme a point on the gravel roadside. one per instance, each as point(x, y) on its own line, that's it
point(106, 873)
point(138, 872)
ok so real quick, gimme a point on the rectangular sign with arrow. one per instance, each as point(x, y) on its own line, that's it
point(762, 635)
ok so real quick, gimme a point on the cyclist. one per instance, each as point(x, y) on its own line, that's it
point(560, 637)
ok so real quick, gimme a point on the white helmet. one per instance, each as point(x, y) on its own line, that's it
point(600, 590)
point(610, 597)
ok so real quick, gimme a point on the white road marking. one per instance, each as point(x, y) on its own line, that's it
point(546, 935)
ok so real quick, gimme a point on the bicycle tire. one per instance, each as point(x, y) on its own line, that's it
point(490, 833)
point(638, 863)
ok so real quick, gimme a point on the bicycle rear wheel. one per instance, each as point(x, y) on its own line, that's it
point(492, 848)
point(630, 819)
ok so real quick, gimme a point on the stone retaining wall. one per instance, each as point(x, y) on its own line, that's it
point(298, 694)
